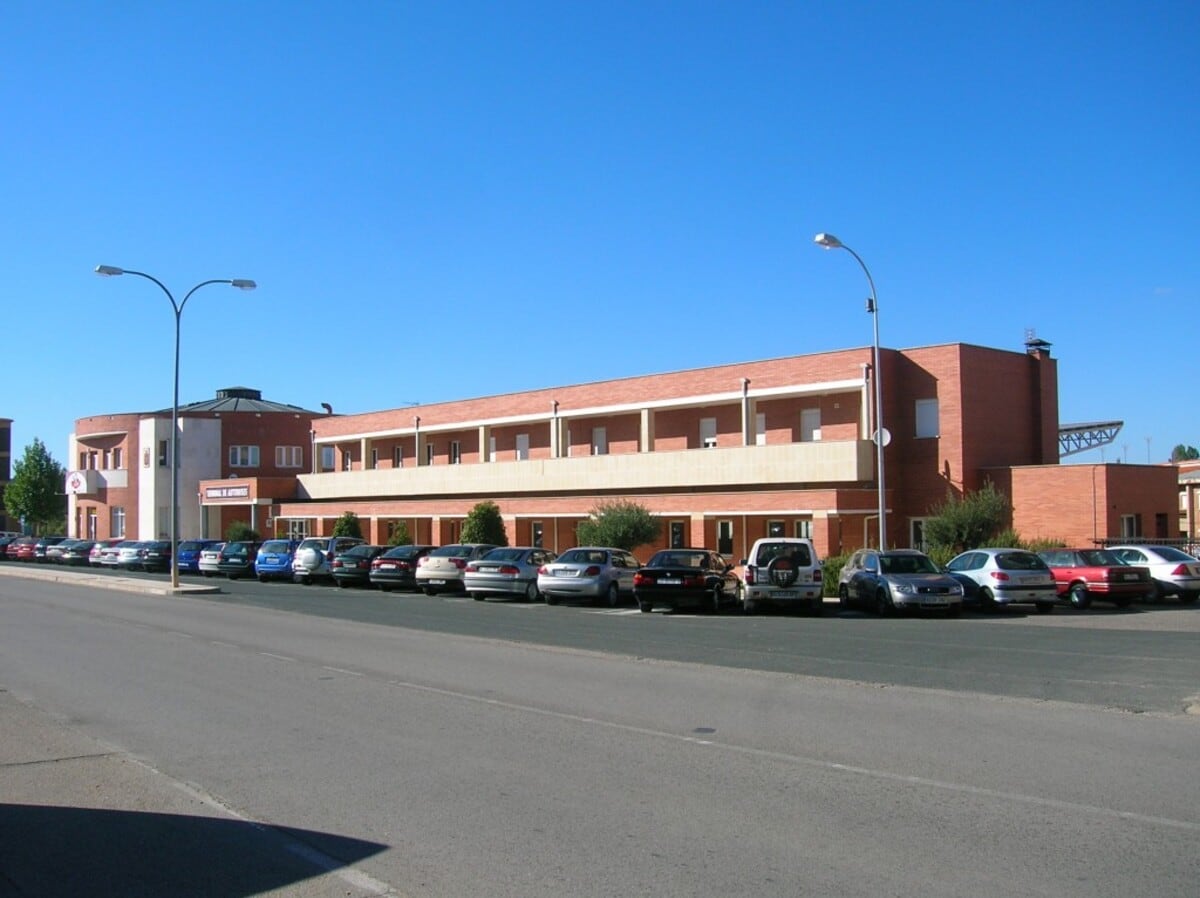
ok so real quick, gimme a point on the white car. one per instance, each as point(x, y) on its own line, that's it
point(783, 570)
point(210, 557)
point(995, 577)
point(1175, 572)
point(442, 569)
point(312, 557)
point(596, 573)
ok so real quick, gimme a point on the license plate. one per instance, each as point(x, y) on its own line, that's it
point(387, 567)
point(436, 582)
point(488, 569)
point(1129, 576)
point(784, 594)
point(567, 572)
point(670, 581)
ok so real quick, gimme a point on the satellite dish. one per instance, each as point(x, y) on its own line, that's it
point(882, 437)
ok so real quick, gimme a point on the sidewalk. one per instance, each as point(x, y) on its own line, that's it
point(82, 576)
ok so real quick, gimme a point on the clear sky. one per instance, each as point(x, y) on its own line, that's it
point(456, 199)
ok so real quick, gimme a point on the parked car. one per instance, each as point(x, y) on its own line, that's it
point(21, 548)
point(274, 559)
point(189, 554)
point(597, 573)
point(698, 578)
point(783, 571)
point(312, 557)
point(509, 571)
point(49, 549)
point(129, 554)
point(210, 559)
point(899, 579)
point(76, 552)
point(397, 567)
point(1173, 571)
point(155, 555)
point(442, 569)
point(353, 567)
point(98, 548)
point(1085, 575)
point(994, 577)
point(54, 553)
point(110, 552)
point(236, 559)
point(5, 542)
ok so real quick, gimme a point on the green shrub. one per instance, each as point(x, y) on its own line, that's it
point(400, 535)
point(485, 525)
point(832, 569)
point(620, 524)
point(967, 523)
point(240, 531)
point(348, 525)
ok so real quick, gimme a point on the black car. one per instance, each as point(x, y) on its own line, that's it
point(237, 559)
point(353, 567)
point(697, 578)
point(397, 567)
point(155, 555)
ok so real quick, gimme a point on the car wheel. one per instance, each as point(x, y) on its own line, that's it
point(551, 600)
point(342, 584)
point(208, 573)
point(987, 601)
point(263, 578)
point(717, 600)
point(477, 596)
point(645, 607)
point(613, 596)
point(383, 587)
point(430, 591)
point(843, 597)
point(1155, 594)
point(531, 592)
point(1045, 607)
point(306, 580)
point(817, 606)
point(233, 576)
point(1123, 602)
point(1187, 598)
point(883, 602)
point(1080, 600)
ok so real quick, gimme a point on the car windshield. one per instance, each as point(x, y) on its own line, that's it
point(401, 552)
point(679, 559)
point(907, 564)
point(584, 556)
point(797, 552)
point(1100, 557)
point(1019, 561)
point(451, 552)
point(190, 546)
point(1170, 553)
point(504, 555)
point(276, 545)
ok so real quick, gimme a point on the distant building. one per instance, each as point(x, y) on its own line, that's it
point(6, 522)
point(121, 482)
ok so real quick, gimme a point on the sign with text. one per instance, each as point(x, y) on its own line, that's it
point(239, 491)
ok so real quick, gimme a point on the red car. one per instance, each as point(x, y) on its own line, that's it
point(1082, 575)
point(22, 548)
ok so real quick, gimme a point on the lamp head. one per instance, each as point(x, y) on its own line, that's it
point(243, 283)
point(109, 271)
point(828, 241)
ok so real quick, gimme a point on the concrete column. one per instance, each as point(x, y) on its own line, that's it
point(364, 449)
point(418, 442)
point(647, 430)
point(485, 434)
point(747, 414)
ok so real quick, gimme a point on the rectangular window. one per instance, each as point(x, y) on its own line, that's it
point(1160, 525)
point(522, 446)
point(289, 457)
point(677, 530)
point(927, 418)
point(760, 429)
point(117, 523)
point(708, 433)
point(91, 524)
point(1131, 526)
point(725, 537)
point(775, 529)
point(83, 467)
point(537, 533)
point(162, 452)
point(455, 452)
point(804, 528)
point(327, 458)
point(397, 456)
point(243, 456)
point(347, 460)
point(93, 460)
point(374, 459)
point(810, 425)
point(491, 448)
point(599, 441)
point(429, 453)
point(107, 459)
point(118, 458)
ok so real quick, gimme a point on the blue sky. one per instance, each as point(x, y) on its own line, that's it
point(449, 200)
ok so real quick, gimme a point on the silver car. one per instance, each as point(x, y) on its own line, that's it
point(313, 555)
point(511, 572)
point(897, 579)
point(210, 557)
point(596, 573)
point(994, 577)
point(442, 569)
point(1175, 572)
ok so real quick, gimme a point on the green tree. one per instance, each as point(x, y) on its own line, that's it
point(36, 492)
point(400, 535)
point(484, 525)
point(240, 531)
point(969, 522)
point(348, 525)
point(1185, 453)
point(620, 524)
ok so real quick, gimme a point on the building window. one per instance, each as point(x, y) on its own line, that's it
point(91, 524)
point(804, 528)
point(1160, 525)
point(760, 429)
point(327, 459)
point(677, 530)
point(810, 425)
point(118, 458)
point(429, 453)
point(374, 459)
point(725, 537)
point(491, 448)
point(289, 457)
point(397, 456)
point(522, 446)
point(107, 459)
point(455, 452)
point(83, 467)
point(117, 524)
point(536, 534)
point(775, 529)
point(599, 441)
point(243, 456)
point(1131, 526)
point(163, 448)
point(708, 433)
point(347, 460)
point(927, 418)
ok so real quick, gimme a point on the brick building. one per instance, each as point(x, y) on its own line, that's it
point(121, 486)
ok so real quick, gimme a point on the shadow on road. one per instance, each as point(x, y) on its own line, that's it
point(54, 852)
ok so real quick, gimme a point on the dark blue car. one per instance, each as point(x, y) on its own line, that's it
point(274, 561)
point(189, 554)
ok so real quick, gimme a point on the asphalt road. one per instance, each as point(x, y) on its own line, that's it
point(515, 750)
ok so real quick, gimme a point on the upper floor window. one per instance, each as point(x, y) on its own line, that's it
point(397, 456)
point(328, 462)
point(117, 457)
point(927, 418)
point(289, 456)
point(810, 425)
point(107, 459)
point(455, 452)
point(429, 453)
point(243, 456)
point(374, 459)
point(599, 441)
point(522, 446)
point(708, 433)
point(163, 449)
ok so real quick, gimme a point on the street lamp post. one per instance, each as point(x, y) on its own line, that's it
point(239, 283)
point(828, 241)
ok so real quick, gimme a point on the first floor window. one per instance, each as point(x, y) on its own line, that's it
point(1131, 526)
point(243, 456)
point(537, 534)
point(725, 537)
point(804, 528)
point(677, 535)
point(289, 457)
point(775, 529)
point(118, 523)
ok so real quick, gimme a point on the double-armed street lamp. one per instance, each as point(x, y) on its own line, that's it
point(828, 241)
point(239, 283)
